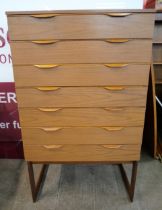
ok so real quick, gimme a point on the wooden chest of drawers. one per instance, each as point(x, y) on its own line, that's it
point(81, 83)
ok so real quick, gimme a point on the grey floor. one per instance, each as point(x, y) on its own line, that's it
point(81, 187)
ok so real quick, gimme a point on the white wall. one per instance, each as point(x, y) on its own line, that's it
point(70, 4)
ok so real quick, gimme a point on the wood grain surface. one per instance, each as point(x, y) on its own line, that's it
point(81, 82)
point(81, 51)
point(68, 26)
point(124, 116)
point(82, 153)
point(82, 135)
point(81, 75)
point(80, 11)
point(157, 32)
point(158, 74)
point(157, 53)
point(82, 96)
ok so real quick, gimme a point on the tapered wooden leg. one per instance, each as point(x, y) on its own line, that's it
point(36, 186)
point(129, 186)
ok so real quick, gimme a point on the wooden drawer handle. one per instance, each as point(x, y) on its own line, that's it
point(113, 128)
point(44, 15)
point(51, 129)
point(47, 88)
point(49, 109)
point(46, 66)
point(43, 42)
point(114, 109)
point(52, 146)
point(116, 65)
point(117, 40)
point(124, 14)
point(112, 146)
point(114, 88)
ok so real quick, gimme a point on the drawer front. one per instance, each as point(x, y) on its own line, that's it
point(158, 73)
point(158, 17)
point(157, 53)
point(81, 26)
point(82, 96)
point(77, 153)
point(89, 51)
point(82, 135)
point(127, 116)
point(81, 75)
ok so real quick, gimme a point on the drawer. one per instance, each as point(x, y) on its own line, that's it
point(158, 17)
point(82, 96)
point(81, 75)
point(81, 51)
point(75, 26)
point(158, 73)
point(82, 135)
point(157, 53)
point(157, 33)
point(126, 116)
point(77, 153)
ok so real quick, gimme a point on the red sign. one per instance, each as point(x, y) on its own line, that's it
point(10, 132)
point(149, 3)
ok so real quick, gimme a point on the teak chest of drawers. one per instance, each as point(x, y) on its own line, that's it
point(81, 83)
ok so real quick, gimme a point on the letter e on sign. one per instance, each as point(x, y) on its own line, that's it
point(3, 98)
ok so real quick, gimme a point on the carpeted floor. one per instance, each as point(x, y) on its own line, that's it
point(81, 187)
